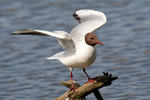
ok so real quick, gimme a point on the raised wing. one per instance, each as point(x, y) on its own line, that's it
point(89, 20)
point(58, 34)
point(86, 14)
point(63, 38)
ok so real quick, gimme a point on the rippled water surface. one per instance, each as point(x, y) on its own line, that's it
point(26, 75)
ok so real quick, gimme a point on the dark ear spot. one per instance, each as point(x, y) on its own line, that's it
point(92, 38)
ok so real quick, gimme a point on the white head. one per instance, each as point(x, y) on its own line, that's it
point(86, 14)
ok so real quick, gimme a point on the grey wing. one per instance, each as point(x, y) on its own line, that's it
point(65, 43)
point(63, 37)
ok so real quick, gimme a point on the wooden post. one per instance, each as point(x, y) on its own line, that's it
point(90, 87)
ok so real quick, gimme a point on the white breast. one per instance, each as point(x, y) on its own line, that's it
point(82, 58)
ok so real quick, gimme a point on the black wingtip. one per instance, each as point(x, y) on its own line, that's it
point(17, 32)
point(14, 33)
point(76, 17)
point(28, 32)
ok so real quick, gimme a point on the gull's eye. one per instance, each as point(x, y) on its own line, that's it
point(91, 38)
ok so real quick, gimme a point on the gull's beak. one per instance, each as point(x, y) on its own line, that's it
point(98, 42)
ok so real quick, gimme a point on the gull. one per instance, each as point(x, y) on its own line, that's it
point(79, 45)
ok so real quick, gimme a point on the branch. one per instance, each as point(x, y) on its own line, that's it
point(82, 91)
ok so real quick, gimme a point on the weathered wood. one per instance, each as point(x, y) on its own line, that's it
point(81, 92)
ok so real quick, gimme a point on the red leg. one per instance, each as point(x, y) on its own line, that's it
point(89, 79)
point(71, 78)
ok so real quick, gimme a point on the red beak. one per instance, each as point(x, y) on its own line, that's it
point(98, 42)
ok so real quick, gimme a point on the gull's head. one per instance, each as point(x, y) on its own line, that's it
point(92, 39)
point(86, 14)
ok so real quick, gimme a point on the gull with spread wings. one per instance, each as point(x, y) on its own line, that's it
point(79, 45)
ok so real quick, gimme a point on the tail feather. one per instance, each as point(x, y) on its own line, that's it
point(55, 56)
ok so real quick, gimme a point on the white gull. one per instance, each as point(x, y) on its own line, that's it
point(80, 44)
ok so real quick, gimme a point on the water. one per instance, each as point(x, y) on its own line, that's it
point(26, 75)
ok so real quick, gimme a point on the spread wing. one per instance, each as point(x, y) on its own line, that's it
point(63, 38)
point(89, 20)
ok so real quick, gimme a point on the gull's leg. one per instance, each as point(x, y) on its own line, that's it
point(89, 79)
point(71, 78)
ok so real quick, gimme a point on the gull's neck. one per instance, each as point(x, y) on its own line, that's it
point(84, 48)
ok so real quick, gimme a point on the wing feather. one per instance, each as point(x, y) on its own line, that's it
point(89, 21)
point(63, 37)
point(57, 34)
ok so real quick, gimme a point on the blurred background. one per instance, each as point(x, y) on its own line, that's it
point(25, 74)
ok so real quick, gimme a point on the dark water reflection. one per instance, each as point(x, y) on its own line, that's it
point(26, 75)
